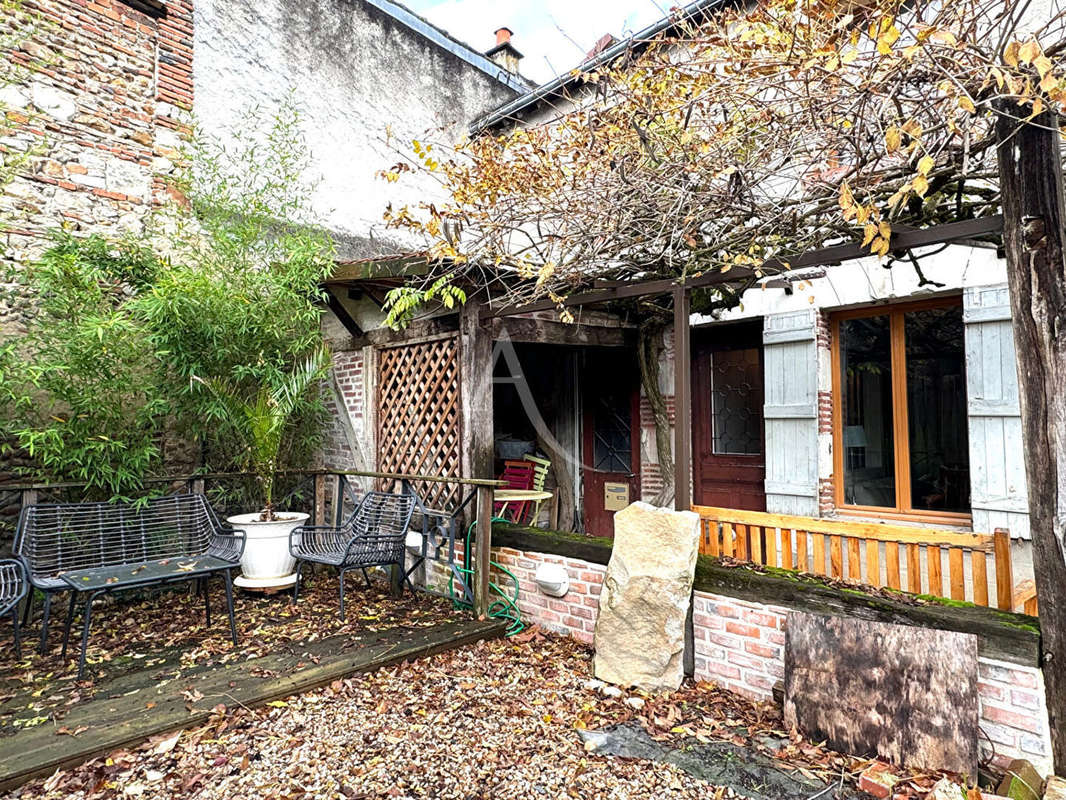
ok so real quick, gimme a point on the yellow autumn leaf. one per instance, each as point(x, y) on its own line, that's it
point(869, 232)
point(892, 139)
point(925, 164)
point(277, 704)
point(1042, 64)
point(888, 37)
point(1010, 54)
point(1049, 83)
point(944, 37)
point(920, 184)
point(1029, 52)
point(884, 229)
point(966, 104)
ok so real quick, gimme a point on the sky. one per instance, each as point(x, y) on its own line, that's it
point(552, 35)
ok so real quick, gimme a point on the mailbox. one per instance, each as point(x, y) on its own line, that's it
point(615, 496)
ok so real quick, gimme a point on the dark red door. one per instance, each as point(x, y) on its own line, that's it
point(728, 453)
point(610, 436)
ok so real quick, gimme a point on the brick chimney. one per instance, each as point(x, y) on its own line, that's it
point(504, 52)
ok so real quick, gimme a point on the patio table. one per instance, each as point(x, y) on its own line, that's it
point(96, 581)
point(507, 496)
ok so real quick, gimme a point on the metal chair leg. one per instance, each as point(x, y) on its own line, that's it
point(229, 605)
point(296, 585)
point(366, 578)
point(343, 571)
point(18, 638)
point(70, 620)
point(85, 632)
point(207, 602)
point(44, 622)
point(27, 610)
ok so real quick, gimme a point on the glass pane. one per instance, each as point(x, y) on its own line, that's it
point(736, 402)
point(866, 412)
point(936, 410)
point(611, 434)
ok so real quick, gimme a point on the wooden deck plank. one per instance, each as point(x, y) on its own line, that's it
point(116, 722)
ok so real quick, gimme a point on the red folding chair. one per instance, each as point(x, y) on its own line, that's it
point(517, 475)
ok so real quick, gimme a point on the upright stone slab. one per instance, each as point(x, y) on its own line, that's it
point(640, 632)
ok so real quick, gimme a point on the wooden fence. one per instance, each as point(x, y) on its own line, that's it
point(892, 556)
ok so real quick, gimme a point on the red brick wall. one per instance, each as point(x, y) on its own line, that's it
point(741, 645)
point(108, 106)
point(823, 341)
point(573, 614)
point(347, 412)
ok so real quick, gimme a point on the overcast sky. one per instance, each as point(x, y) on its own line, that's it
point(555, 32)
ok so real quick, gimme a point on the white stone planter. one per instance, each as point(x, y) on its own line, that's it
point(267, 563)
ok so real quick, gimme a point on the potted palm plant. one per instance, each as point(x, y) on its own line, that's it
point(260, 419)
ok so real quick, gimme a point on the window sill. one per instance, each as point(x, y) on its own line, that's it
point(871, 514)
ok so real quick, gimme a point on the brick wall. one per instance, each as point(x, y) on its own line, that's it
point(823, 343)
point(346, 432)
point(740, 645)
point(106, 95)
point(574, 614)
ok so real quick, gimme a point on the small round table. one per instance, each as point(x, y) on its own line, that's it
point(507, 496)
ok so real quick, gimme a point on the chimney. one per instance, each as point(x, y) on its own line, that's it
point(504, 52)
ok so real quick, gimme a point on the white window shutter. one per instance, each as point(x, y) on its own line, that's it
point(997, 467)
point(790, 411)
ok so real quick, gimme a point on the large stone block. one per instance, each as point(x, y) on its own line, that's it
point(640, 631)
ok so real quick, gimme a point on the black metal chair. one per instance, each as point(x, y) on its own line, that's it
point(373, 536)
point(54, 540)
point(13, 588)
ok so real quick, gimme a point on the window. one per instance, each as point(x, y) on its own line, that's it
point(736, 402)
point(899, 411)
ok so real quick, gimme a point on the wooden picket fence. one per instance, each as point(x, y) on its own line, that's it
point(892, 556)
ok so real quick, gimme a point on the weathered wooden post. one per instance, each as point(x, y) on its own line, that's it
point(682, 401)
point(475, 381)
point(483, 545)
point(683, 436)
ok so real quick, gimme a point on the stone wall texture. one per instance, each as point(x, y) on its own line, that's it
point(100, 104)
point(740, 645)
point(365, 83)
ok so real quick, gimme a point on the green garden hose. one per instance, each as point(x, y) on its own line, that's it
point(503, 607)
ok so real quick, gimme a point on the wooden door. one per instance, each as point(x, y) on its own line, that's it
point(610, 390)
point(728, 450)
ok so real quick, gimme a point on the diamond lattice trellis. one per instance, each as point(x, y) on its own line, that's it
point(419, 421)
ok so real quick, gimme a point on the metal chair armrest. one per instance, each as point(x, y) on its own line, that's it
point(16, 570)
point(227, 543)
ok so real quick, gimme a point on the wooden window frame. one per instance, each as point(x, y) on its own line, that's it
point(903, 509)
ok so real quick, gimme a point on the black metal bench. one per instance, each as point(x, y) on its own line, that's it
point(99, 548)
point(13, 588)
point(373, 536)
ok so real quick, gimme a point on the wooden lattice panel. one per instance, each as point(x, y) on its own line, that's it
point(419, 420)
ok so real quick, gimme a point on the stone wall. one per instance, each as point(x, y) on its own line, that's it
point(739, 644)
point(367, 84)
point(101, 104)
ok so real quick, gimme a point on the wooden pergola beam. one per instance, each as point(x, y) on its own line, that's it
point(901, 240)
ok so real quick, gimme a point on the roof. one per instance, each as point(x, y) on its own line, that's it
point(553, 88)
point(447, 42)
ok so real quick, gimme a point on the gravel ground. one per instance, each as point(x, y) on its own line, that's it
point(496, 720)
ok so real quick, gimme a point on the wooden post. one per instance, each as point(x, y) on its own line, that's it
point(319, 502)
point(475, 382)
point(682, 401)
point(1004, 570)
point(197, 486)
point(482, 551)
point(683, 439)
point(1034, 240)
